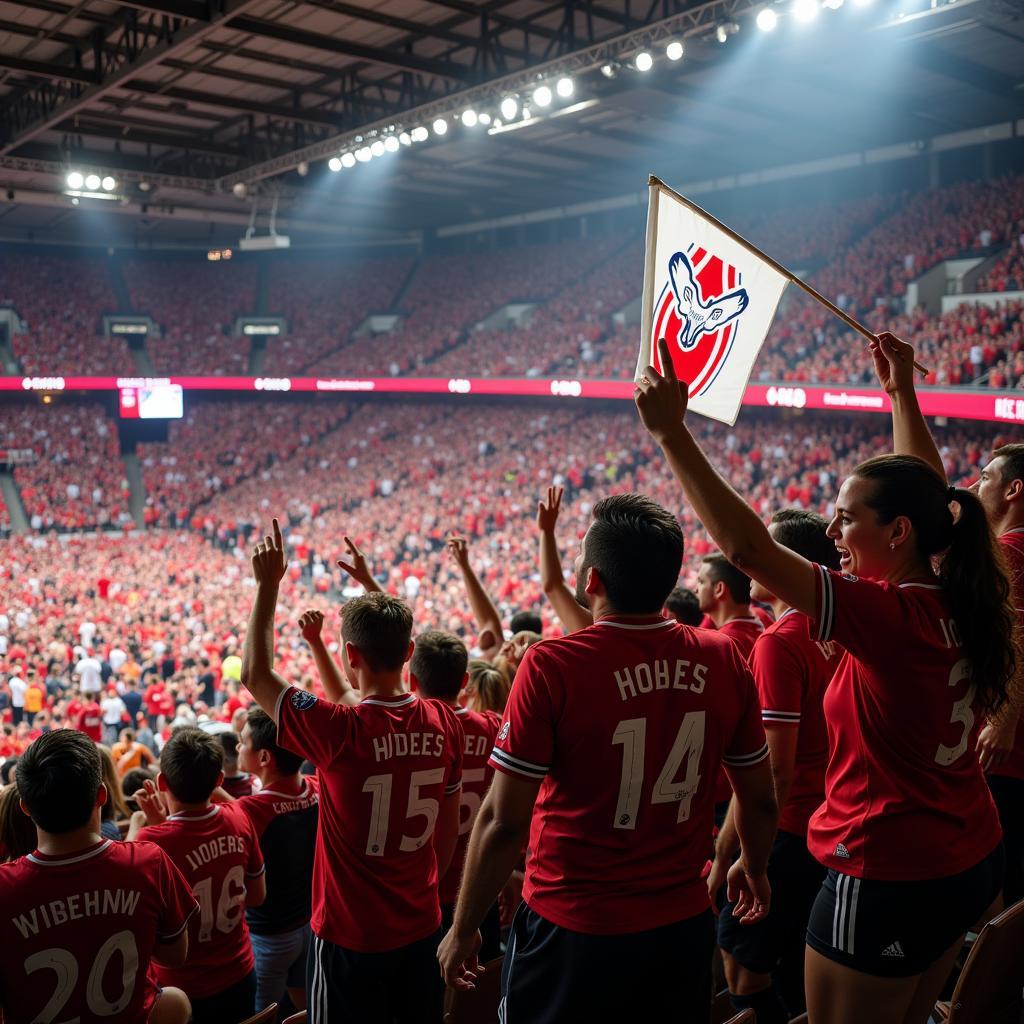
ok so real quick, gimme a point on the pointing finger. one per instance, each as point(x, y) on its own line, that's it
point(278, 541)
point(665, 358)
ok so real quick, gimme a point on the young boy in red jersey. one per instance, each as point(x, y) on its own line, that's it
point(390, 771)
point(608, 754)
point(724, 595)
point(764, 962)
point(83, 918)
point(218, 852)
point(438, 670)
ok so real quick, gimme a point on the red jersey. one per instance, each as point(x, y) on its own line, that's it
point(792, 673)
point(1013, 551)
point(905, 797)
point(216, 851)
point(79, 932)
point(625, 725)
point(90, 721)
point(385, 766)
point(762, 615)
point(477, 773)
point(743, 633)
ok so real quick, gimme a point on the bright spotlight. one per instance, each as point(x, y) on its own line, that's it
point(92, 182)
point(440, 126)
point(391, 144)
point(674, 50)
point(643, 61)
point(405, 139)
point(377, 149)
point(364, 155)
point(565, 88)
point(767, 19)
point(109, 183)
point(419, 134)
point(527, 113)
point(348, 160)
point(334, 164)
point(75, 180)
point(721, 34)
point(542, 96)
point(485, 119)
point(469, 118)
point(609, 70)
point(509, 107)
point(805, 10)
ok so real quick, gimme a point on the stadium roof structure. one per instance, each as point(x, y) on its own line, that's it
point(207, 111)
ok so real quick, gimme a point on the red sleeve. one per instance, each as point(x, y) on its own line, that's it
point(779, 680)
point(313, 728)
point(458, 740)
point(748, 745)
point(525, 743)
point(175, 897)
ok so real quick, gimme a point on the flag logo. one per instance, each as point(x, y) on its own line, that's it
point(698, 314)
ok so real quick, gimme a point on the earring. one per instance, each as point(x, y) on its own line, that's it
point(892, 546)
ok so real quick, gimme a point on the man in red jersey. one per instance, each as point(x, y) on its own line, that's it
point(724, 595)
point(284, 813)
point(1001, 491)
point(218, 852)
point(83, 919)
point(390, 769)
point(608, 753)
point(764, 963)
point(439, 670)
point(90, 718)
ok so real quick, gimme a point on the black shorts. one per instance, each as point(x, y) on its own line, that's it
point(552, 975)
point(401, 986)
point(235, 1003)
point(899, 929)
point(795, 878)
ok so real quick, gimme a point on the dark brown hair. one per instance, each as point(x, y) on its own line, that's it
point(439, 662)
point(380, 626)
point(191, 762)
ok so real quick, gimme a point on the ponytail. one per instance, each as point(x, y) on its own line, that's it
point(970, 564)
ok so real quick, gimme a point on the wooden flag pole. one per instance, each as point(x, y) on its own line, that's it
point(788, 274)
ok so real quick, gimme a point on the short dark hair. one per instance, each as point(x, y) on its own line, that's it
point(229, 741)
point(380, 627)
point(737, 582)
point(58, 778)
point(264, 737)
point(684, 606)
point(526, 621)
point(191, 762)
point(439, 663)
point(1013, 461)
point(636, 546)
point(803, 531)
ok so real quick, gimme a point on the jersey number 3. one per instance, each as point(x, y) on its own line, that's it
point(688, 746)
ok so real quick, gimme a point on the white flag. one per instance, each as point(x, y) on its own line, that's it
point(710, 297)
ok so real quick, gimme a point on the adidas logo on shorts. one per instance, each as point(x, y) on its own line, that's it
point(841, 851)
point(895, 950)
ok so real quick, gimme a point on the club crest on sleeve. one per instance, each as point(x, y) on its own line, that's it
point(849, 576)
point(504, 731)
point(302, 700)
point(698, 314)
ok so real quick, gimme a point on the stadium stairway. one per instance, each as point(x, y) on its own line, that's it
point(262, 288)
point(8, 363)
point(12, 498)
point(257, 353)
point(137, 489)
point(121, 293)
point(142, 360)
point(396, 306)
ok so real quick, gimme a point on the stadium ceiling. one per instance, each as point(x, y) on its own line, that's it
point(207, 109)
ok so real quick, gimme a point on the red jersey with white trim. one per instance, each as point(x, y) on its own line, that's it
point(792, 673)
point(905, 797)
point(385, 767)
point(78, 932)
point(743, 633)
point(216, 851)
point(90, 721)
point(625, 725)
point(1013, 551)
point(480, 729)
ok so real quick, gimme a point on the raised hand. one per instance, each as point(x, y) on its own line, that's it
point(547, 514)
point(268, 559)
point(458, 548)
point(357, 568)
point(310, 623)
point(661, 400)
point(894, 362)
point(151, 803)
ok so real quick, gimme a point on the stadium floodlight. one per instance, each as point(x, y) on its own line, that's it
point(92, 182)
point(509, 107)
point(405, 139)
point(643, 61)
point(485, 119)
point(348, 160)
point(767, 19)
point(334, 164)
point(805, 11)
point(419, 134)
point(364, 155)
point(469, 118)
point(391, 144)
point(109, 183)
point(610, 70)
point(440, 126)
point(542, 96)
point(674, 50)
point(75, 180)
point(377, 149)
point(565, 87)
